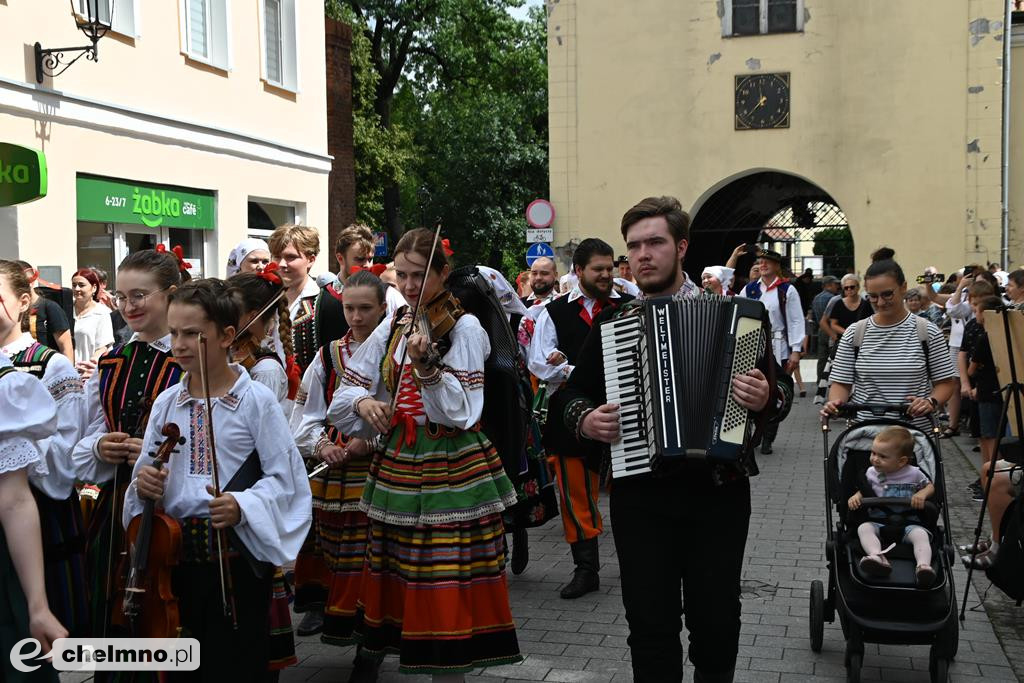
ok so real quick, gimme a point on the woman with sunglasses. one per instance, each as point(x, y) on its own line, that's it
point(850, 308)
point(119, 395)
point(892, 365)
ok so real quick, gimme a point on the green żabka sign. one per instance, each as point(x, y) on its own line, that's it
point(22, 174)
point(113, 201)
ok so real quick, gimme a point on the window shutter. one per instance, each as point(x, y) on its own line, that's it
point(272, 39)
point(198, 28)
point(124, 17)
point(220, 48)
point(289, 46)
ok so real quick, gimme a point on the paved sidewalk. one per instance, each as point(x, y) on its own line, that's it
point(585, 640)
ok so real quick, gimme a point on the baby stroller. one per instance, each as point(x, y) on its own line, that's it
point(889, 609)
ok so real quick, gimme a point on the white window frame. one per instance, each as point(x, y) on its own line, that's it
point(289, 46)
point(763, 28)
point(218, 33)
point(125, 19)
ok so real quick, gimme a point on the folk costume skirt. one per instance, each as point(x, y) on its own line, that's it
point(434, 587)
point(63, 536)
point(341, 531)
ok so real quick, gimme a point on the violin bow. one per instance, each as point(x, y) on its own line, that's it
point(140, 431)
point(227, 588)
point(415, 317)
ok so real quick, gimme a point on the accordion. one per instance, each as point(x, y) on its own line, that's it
point(669, 366)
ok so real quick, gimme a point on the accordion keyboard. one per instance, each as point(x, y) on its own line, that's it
point(623, 362)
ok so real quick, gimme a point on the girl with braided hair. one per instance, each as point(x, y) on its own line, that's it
point(264, 316)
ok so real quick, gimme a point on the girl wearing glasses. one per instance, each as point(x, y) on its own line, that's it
point(893, 365)
point(60, 516)
point(119, 396)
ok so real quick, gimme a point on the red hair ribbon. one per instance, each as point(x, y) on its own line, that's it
point(294, 373)
point(270, 274)
point(178, 253)
point(375, 268)
point(447, 246)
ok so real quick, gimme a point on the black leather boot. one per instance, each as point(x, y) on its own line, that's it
point(520, 551)
point(365, 668)
point(584, 579)
point(719, 677)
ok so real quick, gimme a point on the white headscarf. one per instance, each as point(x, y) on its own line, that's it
point(721, 273)
point(243, 249)
point(503, 290)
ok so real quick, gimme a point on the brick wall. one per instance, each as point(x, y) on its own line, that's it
point(341, 201)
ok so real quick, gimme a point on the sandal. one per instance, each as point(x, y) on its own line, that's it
point(949, 433)
point(976, 548)
point(925, 576)
point(985, 560)
point(875, 565)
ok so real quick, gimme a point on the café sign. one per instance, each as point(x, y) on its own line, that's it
point(104, 200)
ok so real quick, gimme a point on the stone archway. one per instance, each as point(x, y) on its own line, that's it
point(782, 211)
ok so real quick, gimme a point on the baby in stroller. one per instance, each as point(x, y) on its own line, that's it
point(892, 476)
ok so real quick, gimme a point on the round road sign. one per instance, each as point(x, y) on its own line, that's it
point(540, 213)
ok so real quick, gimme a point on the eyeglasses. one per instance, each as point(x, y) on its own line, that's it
point(849, 287)
point(887, 295)
point(137, 299)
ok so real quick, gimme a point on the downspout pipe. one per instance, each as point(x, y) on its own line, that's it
point(1005, 171)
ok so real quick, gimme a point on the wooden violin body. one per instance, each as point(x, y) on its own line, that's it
point(145, 603)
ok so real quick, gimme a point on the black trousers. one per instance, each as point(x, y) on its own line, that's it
point(226, 654)
point(680, 528)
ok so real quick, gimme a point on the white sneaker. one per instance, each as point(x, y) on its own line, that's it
point(818, 400)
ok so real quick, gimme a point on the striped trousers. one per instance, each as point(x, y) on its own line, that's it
point(578, 488)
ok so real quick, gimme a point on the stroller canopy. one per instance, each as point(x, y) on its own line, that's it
point(860, 438)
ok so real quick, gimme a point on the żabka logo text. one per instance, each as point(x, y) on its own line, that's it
point(109, 654)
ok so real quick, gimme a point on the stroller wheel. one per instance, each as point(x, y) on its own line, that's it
point(817, 615)
point(853, 663)
point(938, 669)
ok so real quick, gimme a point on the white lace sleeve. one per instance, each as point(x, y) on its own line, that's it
point(28, 415)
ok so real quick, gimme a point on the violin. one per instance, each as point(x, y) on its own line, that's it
point(436, 319)
point(145, 603)
point(244, 353)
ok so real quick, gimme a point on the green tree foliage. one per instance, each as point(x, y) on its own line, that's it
point(836, 246)
point(461, 126)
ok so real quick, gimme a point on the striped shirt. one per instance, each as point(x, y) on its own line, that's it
point(891, 364)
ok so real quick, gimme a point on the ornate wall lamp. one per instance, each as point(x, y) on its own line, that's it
point(93, 19)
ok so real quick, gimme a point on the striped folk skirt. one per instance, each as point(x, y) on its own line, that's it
point(433, 585)
point(342, 540)
point(63, 536)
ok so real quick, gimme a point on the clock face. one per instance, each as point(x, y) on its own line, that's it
point(762, 101)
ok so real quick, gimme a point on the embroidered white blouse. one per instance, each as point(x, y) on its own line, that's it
point(276, 510)
point(310, 407)
point(456, 399)
point(65, 387)
point(87, 461)
point(29, 416)
point(271, 374)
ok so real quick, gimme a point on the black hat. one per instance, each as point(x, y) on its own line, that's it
point(770, 255)
point(622, 259)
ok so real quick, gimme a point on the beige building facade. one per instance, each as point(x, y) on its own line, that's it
point(883, 116)
point(203, 122)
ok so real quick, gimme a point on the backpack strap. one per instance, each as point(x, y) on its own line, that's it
point(922, 336)
point(783, 286)
point(859, 328)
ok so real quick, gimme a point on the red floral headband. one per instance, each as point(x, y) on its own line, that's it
point(178, 253)
point(447, 246)
point(270, 274)
point(376, 268)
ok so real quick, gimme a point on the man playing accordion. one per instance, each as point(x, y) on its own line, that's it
point(689, 523)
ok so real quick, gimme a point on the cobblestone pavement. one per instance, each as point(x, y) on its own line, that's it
point(585, 639)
